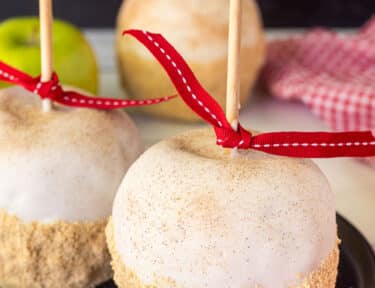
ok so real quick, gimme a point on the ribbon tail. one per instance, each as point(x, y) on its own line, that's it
point(183, 78)
point(75, 99)
point(12, 75)
point(52, 90)
point(316, 144)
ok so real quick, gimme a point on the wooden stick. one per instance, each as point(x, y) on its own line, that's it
point(46, 22)
point(233, 76)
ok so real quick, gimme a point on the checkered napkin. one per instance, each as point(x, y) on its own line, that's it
point(333, 74)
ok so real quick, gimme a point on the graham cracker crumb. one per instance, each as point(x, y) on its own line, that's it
point(326, 276)
point(36, 255)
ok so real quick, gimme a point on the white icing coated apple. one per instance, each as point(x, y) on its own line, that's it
point(189, 215)
point(63, 165)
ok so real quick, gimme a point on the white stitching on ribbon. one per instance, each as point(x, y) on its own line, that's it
point(183, 78)
point(110, 102)
point(7, 75)
point(38, 86)
point(305, 145)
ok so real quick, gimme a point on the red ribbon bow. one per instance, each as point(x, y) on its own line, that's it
point(294, 144)
point(53, 90)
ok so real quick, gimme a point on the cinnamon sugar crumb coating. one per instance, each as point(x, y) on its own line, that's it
point(326, 276)
point(69, 255)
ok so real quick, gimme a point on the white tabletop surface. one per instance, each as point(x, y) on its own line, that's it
point(353, 182)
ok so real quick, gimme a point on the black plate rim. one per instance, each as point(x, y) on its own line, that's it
point(360, 234)
point(364, 268)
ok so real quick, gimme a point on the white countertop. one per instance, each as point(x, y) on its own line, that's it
point(353, 182)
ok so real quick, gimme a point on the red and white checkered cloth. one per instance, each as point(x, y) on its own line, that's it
point(333, 74)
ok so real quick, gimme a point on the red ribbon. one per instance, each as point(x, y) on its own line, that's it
point(294, 144)
point(53, 90)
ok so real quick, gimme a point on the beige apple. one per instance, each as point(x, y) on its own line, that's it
point(199, 31)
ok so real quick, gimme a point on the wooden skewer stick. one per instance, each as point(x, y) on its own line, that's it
point(46, 22)
point(233, 75)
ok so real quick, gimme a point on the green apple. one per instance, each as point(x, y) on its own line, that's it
point(74, 60)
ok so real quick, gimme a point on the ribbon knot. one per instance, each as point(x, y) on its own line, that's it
point(293, 144)
point(229, 138)
point(53, 90)
point(47, 90)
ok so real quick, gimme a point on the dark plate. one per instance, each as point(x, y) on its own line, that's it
point(357, 259)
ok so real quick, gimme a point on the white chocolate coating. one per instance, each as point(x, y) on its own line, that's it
point(63, 165)
point(189, 214)
point(184, 22)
